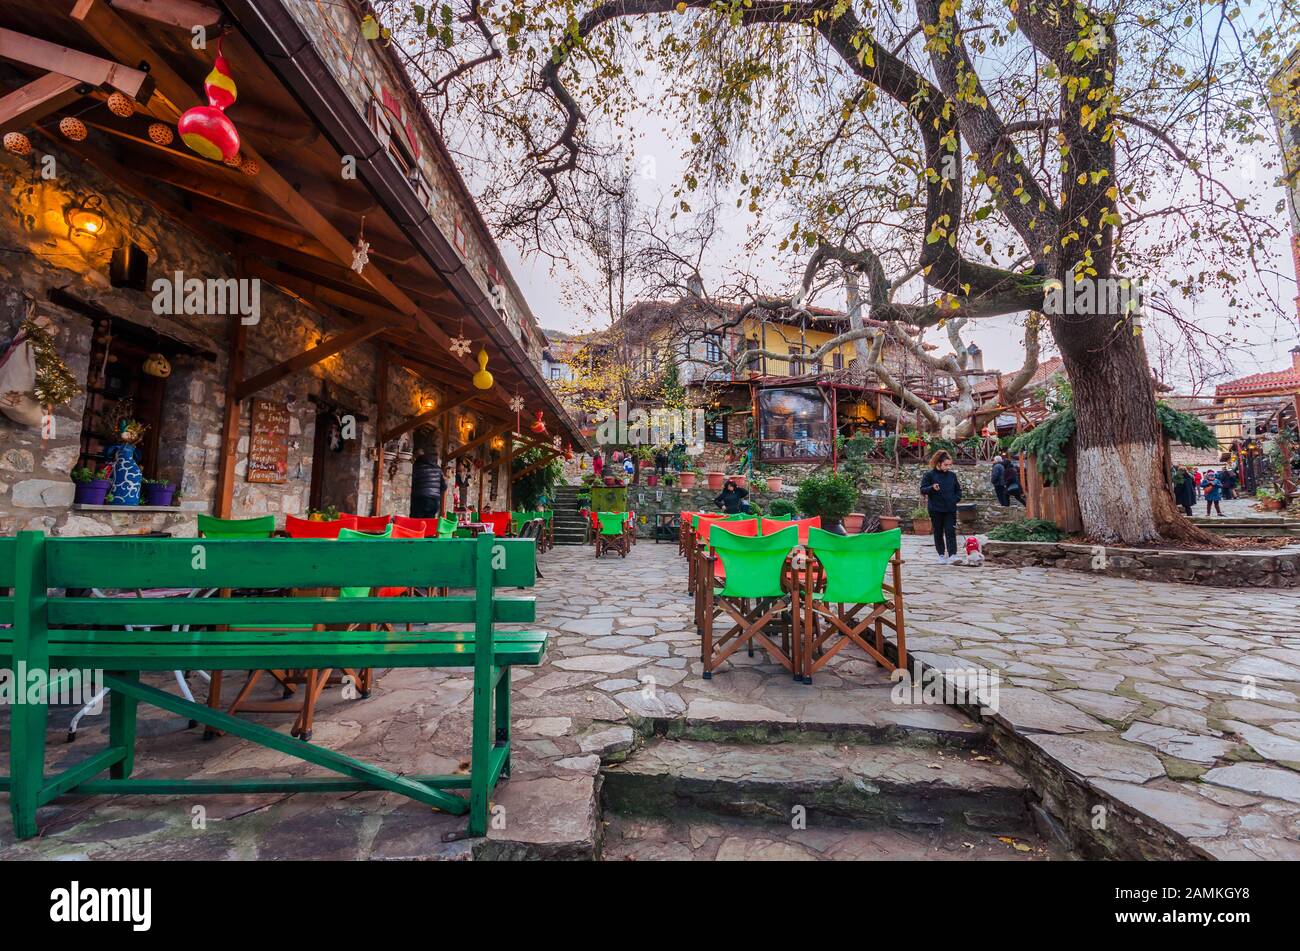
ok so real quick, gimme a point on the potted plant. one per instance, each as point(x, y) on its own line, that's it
point(739, 479)
point(774, 483)
point(921, 520)
point(854, 522)
point(329, 513)
point(92, 485)
point(716, 478)
point(688, 477)
point(158, 492)
point(830, 496)
point(652, 478)
point(1270, 500)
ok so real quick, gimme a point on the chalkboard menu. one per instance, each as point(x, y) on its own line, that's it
point(268, 442)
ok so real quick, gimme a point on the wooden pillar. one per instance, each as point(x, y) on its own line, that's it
point(381, 402)
point(230, 420)
point(482, 474)
point(448, 487)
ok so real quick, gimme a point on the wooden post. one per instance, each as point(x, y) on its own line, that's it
point(381, 401)
point(442, 465)
point(230, 420)
point(482, 473)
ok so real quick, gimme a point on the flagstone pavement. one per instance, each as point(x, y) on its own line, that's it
point(1181, 703)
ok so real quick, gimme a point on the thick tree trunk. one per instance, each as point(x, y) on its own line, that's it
point(1123, 489)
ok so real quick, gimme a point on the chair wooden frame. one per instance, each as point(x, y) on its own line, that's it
point(846, 624)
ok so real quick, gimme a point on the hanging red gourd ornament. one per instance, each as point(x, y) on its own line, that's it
point(538, 426)
point(568, 453)
point(206, 129)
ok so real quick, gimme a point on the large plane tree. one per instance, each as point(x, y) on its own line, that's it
point(978, 155)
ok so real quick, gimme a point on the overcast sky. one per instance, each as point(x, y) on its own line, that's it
point(555, 292)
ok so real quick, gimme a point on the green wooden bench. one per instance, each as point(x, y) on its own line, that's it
point(49, 631)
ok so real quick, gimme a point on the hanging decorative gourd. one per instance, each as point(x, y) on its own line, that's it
point(161, 133)
point(17, 143)
point(122, 105)
point(206, 129)
point(72, 128)
point(568, 452)
point(157, 365)
point(483, 379)
point(539, 425)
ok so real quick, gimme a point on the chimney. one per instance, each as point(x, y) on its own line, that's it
point(695, 286)
point(974, 358)
point(1295, 358)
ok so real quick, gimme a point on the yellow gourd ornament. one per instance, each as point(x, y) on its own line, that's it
point(483, 379)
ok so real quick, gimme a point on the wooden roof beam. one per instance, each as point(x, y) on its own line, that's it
point(94, 70)
point(545, 461)
point(322, 351)
point(428, 416)
point(184, 14)
point(476, 442)
point(28, 104)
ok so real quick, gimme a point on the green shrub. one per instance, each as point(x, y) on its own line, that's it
point(830, 496)
point(1026, 530)
point(782, 508)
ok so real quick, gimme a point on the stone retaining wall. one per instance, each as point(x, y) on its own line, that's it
point(1220, 569)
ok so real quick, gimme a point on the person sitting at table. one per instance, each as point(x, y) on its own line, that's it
point(732, 498)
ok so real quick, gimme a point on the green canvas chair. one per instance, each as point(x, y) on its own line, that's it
point(447, 527)
point(844, 579)
point(238, 528)
point(612, 534)
point(753, 596)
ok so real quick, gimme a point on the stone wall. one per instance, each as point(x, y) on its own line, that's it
point(37, 255)
point(1218, 569)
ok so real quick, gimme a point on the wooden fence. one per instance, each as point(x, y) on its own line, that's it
point(1057, 503)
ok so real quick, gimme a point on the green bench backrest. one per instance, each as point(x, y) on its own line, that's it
point(212, 527)
point(281, 563)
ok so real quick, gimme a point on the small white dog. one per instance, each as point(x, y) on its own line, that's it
point(974, 557)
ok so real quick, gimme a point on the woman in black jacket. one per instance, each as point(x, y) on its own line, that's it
point(732, 499)
point(942, 492)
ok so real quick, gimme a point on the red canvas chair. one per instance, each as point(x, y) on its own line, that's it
point(773, 525)
point(499, 521)
point(370, 524)
point(306, 528)
point(427, 526)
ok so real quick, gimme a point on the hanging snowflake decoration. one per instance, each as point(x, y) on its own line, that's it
point(460, 346)
point(360, 255)
point(516, 404)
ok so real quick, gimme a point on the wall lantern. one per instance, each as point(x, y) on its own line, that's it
point(86, 217)
point(157, 365)
point(498, 443)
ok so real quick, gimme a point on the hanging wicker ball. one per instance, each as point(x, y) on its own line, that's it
point(121, 105)
point(73, 129)
point(160, 133)
point(249, 167)
point(235, 160)
point(17, 143)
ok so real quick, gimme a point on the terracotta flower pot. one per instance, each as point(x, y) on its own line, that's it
point(716, 479)
point(854, 521)
point(609, 480)
point(774, 484)
point(688, 480)
point(921, 526)
point(740, 481)
point(652, 480)
point(888, 523)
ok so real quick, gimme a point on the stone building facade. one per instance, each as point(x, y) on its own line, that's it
point(37, 255)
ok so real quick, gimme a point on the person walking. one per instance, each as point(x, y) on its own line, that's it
point(597, 464)
point(1213, 492)
point(1228, 479)
point(942, 491)
point(426, 486)
point(998, 479)
point(1184, 489)
point(1011, 479)
point(732, 498)
point(1197, 479)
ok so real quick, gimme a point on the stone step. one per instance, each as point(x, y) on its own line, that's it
point(876, 785)
point(707, 838)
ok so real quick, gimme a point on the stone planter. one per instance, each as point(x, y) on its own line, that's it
point(90, 493)
point(967, 513)
point(774, 484)
point(716, 479)
point(687, 480)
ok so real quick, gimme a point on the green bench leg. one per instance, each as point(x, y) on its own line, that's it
point(121, 725)
point(480, 747)
point(503, 713)
point(26, 765)
point(31, 653)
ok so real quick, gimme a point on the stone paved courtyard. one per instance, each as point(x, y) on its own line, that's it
point(1116, 693)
